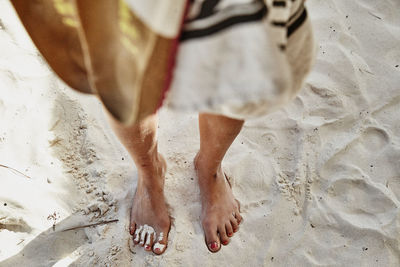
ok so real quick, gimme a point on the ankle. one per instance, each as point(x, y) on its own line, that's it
point(155, 180)
point(205, 167)
point(152, 171)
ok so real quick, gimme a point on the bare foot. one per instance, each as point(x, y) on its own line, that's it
point(150, 222)
point(220, 214)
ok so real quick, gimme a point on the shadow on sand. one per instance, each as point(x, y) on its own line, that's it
point(50, 246)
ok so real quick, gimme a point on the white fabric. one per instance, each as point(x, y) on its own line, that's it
point(240, 72)
point(223, 71)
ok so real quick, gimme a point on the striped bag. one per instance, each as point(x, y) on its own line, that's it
point(124, 51)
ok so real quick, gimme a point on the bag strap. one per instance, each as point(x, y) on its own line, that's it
point(278, 16)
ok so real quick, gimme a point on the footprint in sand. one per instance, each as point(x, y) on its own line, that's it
point(352, 182)
point(374, 139)
point(366, 152)
point(10, 220)
point(363, 205)
point(329, 106)
point(14, 224)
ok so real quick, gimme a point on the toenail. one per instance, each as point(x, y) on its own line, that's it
point(158, 247)
point(147, 247)
point(230, 234)
point(213, 245)
point(225, 243)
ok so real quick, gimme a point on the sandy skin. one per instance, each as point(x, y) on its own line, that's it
point(150, 222)
point(220, 216)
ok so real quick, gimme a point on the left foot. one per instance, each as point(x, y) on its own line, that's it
point(220, 214)
point(150, 222)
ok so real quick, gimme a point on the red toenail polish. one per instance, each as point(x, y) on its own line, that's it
point(230, 234)
point(214, 245)
point(225, 242)
point(147, 247)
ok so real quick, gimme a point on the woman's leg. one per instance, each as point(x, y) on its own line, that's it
point(150, 220)
point(220, 209)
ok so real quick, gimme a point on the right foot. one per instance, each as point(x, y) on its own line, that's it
point(150, 222)
point(220, 210)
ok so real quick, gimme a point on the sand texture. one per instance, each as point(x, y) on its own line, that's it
point(319, 180)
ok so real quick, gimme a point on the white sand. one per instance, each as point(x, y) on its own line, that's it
point(319, 181)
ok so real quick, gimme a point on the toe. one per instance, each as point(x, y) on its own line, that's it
point(132, 228)
point(160, 244)
point(238, 205)
point(229, 230)
point(143, 236)
point(235, 224)
point(239, 218)
point(212, 239)
point(149, 241)
point(137, 234)
point(223, 237)
point(161, 238)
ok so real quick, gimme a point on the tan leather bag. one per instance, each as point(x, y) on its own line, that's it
point(102, 47)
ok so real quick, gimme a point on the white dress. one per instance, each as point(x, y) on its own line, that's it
point(241, 58)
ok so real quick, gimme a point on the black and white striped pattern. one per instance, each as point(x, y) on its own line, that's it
point(283, 22)
point(207, 17)
point(211, 16)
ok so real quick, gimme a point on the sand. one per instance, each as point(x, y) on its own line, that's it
point(319, 180)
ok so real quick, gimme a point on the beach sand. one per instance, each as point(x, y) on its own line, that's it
point(318, 180)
